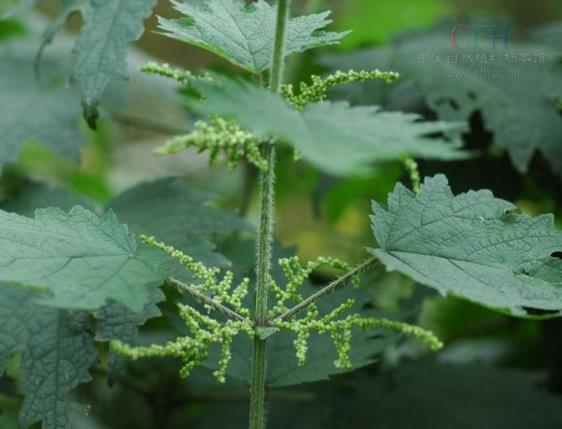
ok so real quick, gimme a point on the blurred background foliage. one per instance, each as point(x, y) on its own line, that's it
point(495, 372)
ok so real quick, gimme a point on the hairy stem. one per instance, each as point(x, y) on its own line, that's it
point(340, 281)
point(259, 355)
point(265, 237)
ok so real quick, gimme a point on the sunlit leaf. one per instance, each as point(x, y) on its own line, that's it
point(243, 34)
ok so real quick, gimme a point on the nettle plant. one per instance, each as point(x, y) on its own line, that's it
point(76, 263)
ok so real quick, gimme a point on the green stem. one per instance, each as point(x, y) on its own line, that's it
point(276, 76)
point(259, 355)
point(265, 237)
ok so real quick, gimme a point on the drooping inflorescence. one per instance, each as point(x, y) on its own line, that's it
point(204, 331)
point(318, 89)
point(218, 294)
point(219, 136)
point(296, 274)
point(339, 329)
point(223, 136)
point(193, 350)
point(221, 292)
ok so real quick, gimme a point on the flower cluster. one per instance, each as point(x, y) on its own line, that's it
point(204, 330)
point(193, 350)
point(219, 136)
point(413, 171)
point(296, 274)
point(339, 329)
point(221, 292)
point(182, 76)
point(217, 294)
point(222, 136)
point(317, 90)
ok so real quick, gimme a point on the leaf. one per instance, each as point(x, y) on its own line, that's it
point(471, 245)
point(101, 49)
point(244, 35)
point(333, 136)
point(81, 259)
point(35, 110)
point(430, 395)
point(514, 92)
point(115, 320)
point(57, 352)
point(165, 208)
point(178, 215)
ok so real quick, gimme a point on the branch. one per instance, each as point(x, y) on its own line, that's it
point(326, 290)
point(201, 297)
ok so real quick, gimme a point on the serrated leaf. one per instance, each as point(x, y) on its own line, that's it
point(101, 49)
point(244, 35)
point(31, 109)
point(115, 320)
point(335, 137)
point(166, 208)
point(83, 260)
point(471, 245)
point(57, 351)
point(513, 88)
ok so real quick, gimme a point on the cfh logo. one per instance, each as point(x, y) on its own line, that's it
point(474, 36)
